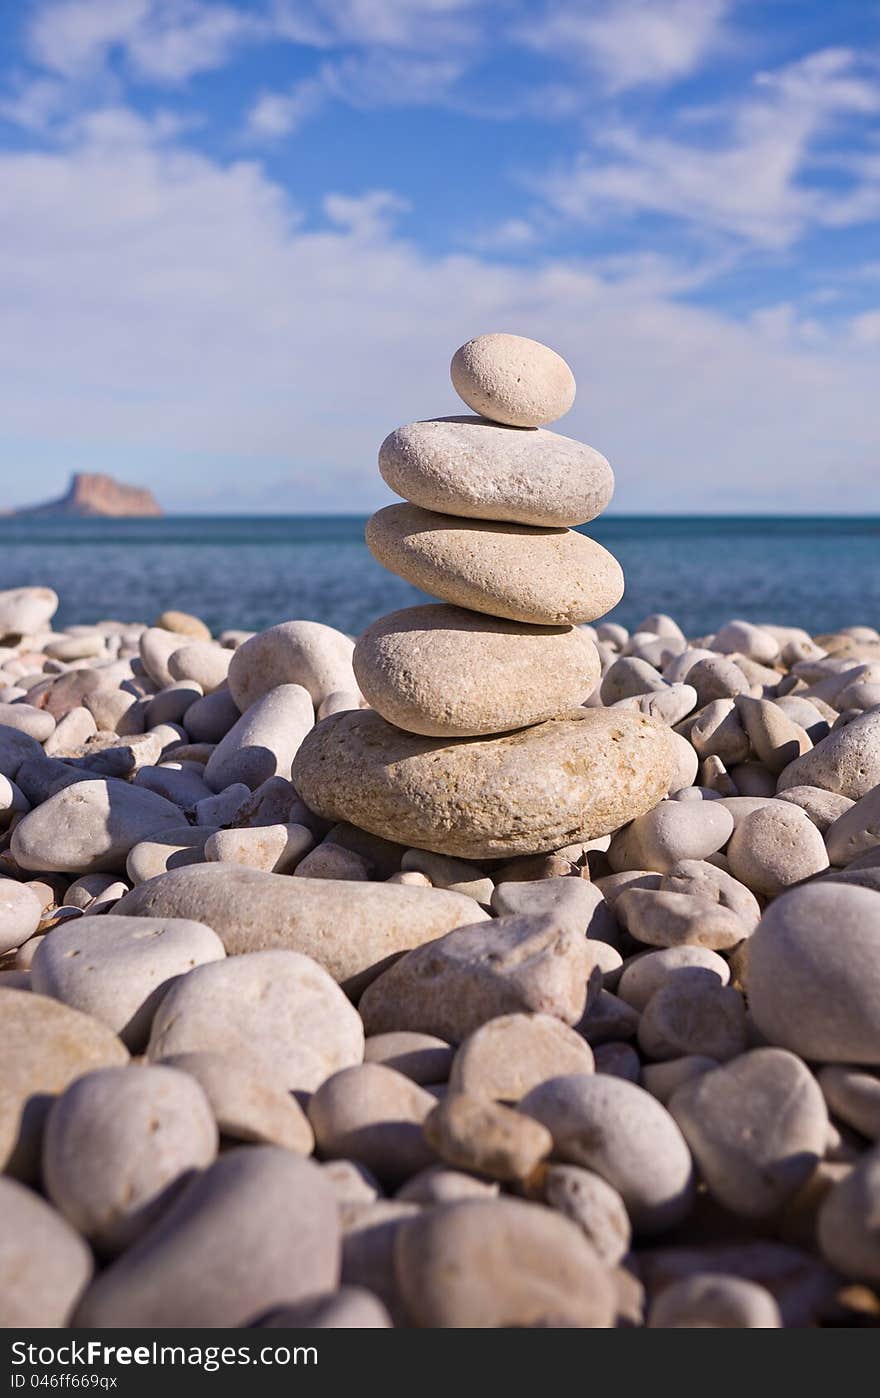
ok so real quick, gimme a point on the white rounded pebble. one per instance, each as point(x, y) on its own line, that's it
point(514, 380)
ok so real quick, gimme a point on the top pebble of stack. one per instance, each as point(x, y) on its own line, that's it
point(514, 380)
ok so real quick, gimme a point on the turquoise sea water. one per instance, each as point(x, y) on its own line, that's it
point(252, 572)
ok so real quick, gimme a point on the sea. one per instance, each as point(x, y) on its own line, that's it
point(250, 572)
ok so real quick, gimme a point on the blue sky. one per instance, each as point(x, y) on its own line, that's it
point(239, 242)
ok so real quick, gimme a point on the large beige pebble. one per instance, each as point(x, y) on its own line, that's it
point(552, 577)
point(746, 639)
point(276, 1006)
point(119, 968)
point(847, 761)
point(574, 777)
point(46, 1046)
point(156, 647)
point(512, 379)
point(644, 974)
point(264, 741)
point(185, 624)
point(510, 965)
point(479, 470)
point(44, 1263)
point(775, 847)
point(620, 1131)
point(692, 1012)
point(849, 1221)
point(20, 914)
point(716, 677)
point(856, 830)
point(711, 1301)
point(119, 1145)
point(508, 1056)
point(24, 610)
point(673, 830)
point(499, 1263)
point(813, 975)
point(757, 1127)
point(630, 678)
point(775, 738)
point(577, 901)
point(249, 1099)
point(717, 731)
point(853, 1096)
point(475, 1133)
point(252, 911)
point(34, 723)
point(665, 919)
point(304, 653)
point(90, 826)
point(259, 1228)
point(204, 662)
point(373, 1114)
point(275, 848)
point(590, 1202)
point(444, 671)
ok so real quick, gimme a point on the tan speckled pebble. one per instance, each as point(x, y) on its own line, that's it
point(442, 670)
point(775, 847)
point(552, 577)
point(508, 1056)
point(476, 469)
point(259, 1227)
point(507, 966)
point(251, 911)
point(574, 777)
point(663, 919)
point(705, 880)
point(44, 1263)
point(119, 1145)
point(813, 975)
point(757, 1127)
point(498, 1263)
point(275, 848)
point(475, 1133)
point(374, 1115)
point(276, 1006)
point(46, 1045)
point(512, 379)
point(626, 1136)
point(713, 1301)
point(847, 761)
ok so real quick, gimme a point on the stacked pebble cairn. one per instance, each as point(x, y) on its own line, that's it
point(487, 527)
point(457, 1059)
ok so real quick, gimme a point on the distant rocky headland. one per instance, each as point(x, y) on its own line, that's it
point(90, 494)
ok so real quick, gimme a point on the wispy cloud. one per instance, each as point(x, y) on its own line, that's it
point(742, 170)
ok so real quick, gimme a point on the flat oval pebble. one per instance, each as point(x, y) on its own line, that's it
point(713, 1301)
point(250, 1100)
point(574, 777)
point(256, 1230)
point(757, 1128)
point(626, 1136)
point(578, 902)
point(172, 849)
point(500, 1263)
point(374, 1115)
point(671, 831)
point(666, 919)
point(510, 378)
point(477, 469)
point(552, 577)
point(276, 1006)
point(46, 1045)
point(813, 975)
point(508, 1056)
point(443, 671)
point(305, 653)
point(255, 911)
point(20, 914)
point(119, 1144)
point(453, 985)
point(118, 969)
point(90, 827)
point(264, 741)
point(44, 1263)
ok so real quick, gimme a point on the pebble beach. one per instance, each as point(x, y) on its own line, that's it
point(501, 966)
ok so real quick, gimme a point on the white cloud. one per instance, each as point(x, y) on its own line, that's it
point(165, 309)
point(406, 24)
point(162, 40)
point(630, 42)
point(748, 179)
point(276, 114)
